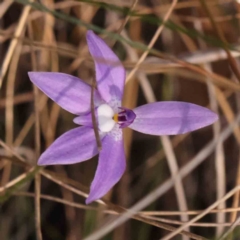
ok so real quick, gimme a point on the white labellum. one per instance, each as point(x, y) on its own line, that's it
point(105, 115)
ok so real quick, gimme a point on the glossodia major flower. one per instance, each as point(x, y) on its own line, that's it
point(79, 144)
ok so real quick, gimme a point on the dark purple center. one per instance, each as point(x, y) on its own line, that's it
point(125, 117)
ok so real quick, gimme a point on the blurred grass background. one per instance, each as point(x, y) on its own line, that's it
point(172, 50)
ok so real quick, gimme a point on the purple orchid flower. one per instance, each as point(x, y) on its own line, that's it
point(79, 144)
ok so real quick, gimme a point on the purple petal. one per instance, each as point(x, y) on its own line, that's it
point(111, 166)
point(110, 73)
point(171, 118)
point(85, 120)
point(76, 145)
point(70, 92)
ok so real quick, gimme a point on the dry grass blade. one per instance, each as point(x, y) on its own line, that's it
point(8, 149)
point(236, 196)
point(16, 180)
point(18, 99)
point(18, 32)
point(9, 117)
point(120, 209)
point(219, 153)
point(230, 230)
point(228, 195)
point(167, 146)
point(168, 149)
point(37, 145)
point(154, 39)
point(219, 32)
point(4, 7)
point(144, 213)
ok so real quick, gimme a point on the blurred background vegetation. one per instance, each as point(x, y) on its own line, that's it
point(172, 50)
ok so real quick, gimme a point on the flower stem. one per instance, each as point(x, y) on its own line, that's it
point(95, 127)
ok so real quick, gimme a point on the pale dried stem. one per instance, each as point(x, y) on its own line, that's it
point(219, 162)
point(4, 6)
point(14, 153)
point(168, 149)
point(153, 40)
point(37, 144)
point(217, 28)
point(9, 117)
point(18, 99)
point(230, 115)
point(145, 213)
point(196, 57)
point(219, 153)
point(149, 95)
point(230, 230)
point(82, 206)
point(142, 9)
point(127, 18)
point(60, 182)
point(195, 212)
point(235, 203)
point(202, 224)
point(217, 19)
point(169, 152)
point(59, 200)
point(45, 128)
point(85, 13)
point(215, 78)
point(228, 195)
point(70, 213)
point(13, 44)
point(51, 58)
point(16, 180)
point(38, 206)
point(50, 130)
point(30, 121)
point(119, 209)
point(72, 189)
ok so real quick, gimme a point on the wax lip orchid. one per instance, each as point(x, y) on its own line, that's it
point(79, 144)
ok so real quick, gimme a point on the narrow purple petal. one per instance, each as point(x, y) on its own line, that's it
point(171, 118)
point(110, 73)
point(111, 166)
point(70, 92)
point(85, 120)
point(76, 145)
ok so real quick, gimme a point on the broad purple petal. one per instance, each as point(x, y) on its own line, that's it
point(76, 145)
point(171, 118)
point(111, 166)
point(70, 92)
point(110, 73)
